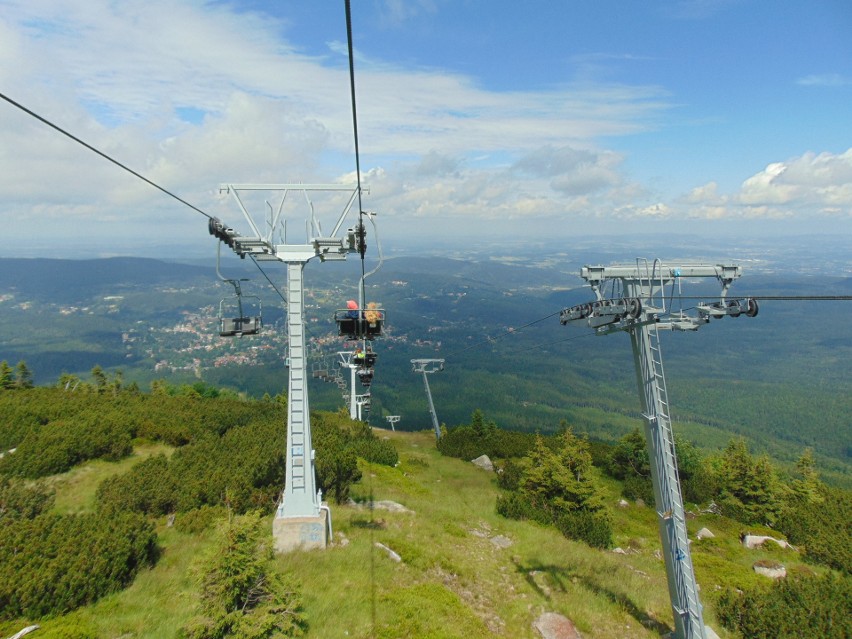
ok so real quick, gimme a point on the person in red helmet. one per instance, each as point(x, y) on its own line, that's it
point(352, 305)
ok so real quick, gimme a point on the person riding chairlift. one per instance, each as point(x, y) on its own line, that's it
point(352, 313)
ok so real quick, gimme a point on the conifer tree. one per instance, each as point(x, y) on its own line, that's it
point(561, 482)
point(749, 488)
point(242, 596)
point(6, 376)
point(100, 378)
point(23, 376)
point(808, 486)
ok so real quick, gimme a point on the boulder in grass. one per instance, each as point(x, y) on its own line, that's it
point(551, 625)
point(704, 533)
point(771, 569)
point(756, 541)
point(484, 462)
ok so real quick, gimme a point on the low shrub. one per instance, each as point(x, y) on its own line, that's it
point(798, 606)
point(593, 528)
point(53, 564)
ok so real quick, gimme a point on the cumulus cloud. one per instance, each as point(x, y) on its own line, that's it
point(811, 185)
point(572, 171)
point(821, 183)
point(194, 94)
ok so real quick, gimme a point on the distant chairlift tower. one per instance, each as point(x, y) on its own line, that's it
point(393, 420)
point(640, 312)
point(302, 520)
point(346, 361)
point(427, 367)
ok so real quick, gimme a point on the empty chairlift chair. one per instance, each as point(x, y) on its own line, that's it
point(244, 323)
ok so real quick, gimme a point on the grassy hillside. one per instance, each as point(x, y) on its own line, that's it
point(465, 571)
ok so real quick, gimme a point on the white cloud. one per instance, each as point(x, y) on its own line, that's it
point(572, 171)
point(812, 182)
point(810, 186)
point(824, 80)
point(433, 143)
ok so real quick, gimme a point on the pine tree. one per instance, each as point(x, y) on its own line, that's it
point(100, 378)
point(808, 486)
point(561, 482)
point(242, 596)
point(23, 376)
point(6, 375)
point(481, 428)
point(750, 489)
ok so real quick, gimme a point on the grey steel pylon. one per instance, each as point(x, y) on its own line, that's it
point(642, 313)
point(427, 367)
point(301, 506)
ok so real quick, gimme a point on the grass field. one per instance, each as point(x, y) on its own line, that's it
point(465, 572)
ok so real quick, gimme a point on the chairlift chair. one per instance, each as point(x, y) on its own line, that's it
point(359, 324)
point(242, 324)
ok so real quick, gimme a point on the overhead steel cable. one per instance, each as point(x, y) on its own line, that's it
point(102, 154)
point(126, 168)
point(361, 229)
point(271, 283)
point(780, 298)
point(362, 241)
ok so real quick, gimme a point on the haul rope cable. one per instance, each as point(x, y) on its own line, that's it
point(136, 174)
point(362, 246)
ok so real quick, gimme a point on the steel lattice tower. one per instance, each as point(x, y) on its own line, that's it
point(302, 519)
point(642, 313)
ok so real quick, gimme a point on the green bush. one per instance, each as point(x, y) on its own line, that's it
point(242, 595)
point(798, 606)
point(148, 488)
point(375, 450)
point(514, 505)
point(199, 519)
point(594, 528)
point(509, 475)
point(53, 564)
point(636, 487)
point(821, 526)
point(21, 500)
point(557, 487)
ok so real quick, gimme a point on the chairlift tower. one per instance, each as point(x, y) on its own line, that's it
point(393, 420)
point(346, 362)
point(302, 519)
point(641, 312)
point(427, 367)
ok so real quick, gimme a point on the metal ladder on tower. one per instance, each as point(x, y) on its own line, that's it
point(296, 397)
point(673, 519)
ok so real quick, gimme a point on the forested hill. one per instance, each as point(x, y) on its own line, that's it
point(136, 515)
point(780, 379)
point(80, 280)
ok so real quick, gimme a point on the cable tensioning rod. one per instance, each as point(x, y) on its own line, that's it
point(101, 153)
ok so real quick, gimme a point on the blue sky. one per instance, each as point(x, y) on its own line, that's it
point(476, 118)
